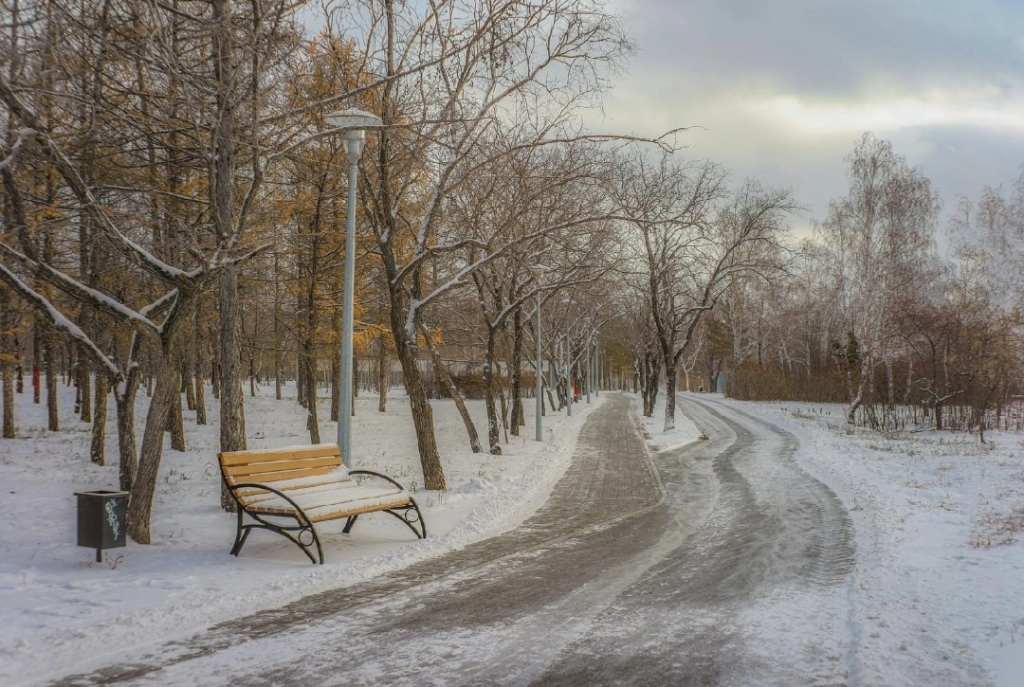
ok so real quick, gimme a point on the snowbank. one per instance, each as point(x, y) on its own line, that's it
point(60, 611)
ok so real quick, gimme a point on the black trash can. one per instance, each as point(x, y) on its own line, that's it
point(102, 520)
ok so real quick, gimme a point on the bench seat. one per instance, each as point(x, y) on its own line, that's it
point(308, 484)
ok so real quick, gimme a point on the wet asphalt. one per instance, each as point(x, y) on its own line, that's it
point(717, 563)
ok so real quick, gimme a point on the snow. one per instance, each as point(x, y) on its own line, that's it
point(62, 610)
point(934, 596)
point(939, 534)
point(685, 432)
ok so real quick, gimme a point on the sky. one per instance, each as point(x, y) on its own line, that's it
point(781, 90)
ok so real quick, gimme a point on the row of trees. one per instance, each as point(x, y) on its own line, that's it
point(173, 211)
point(869, 314)
point(172, 199)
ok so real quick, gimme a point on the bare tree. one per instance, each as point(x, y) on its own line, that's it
point(694, 239)
point(878, 241)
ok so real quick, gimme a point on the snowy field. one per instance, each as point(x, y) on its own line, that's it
point(60, 611)
point(939, 529)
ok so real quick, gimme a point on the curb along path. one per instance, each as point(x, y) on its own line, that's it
point(611, 477)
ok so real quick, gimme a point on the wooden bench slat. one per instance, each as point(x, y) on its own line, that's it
point(325, 478)
point(285, 453)
point(280, 465)
point(283, 475)
point(336, 511)
point(253, 496)
point(356, 511)
point(334, 498)
point(329, 512)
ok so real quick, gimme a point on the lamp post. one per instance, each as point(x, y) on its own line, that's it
point(590, 370)
point(540, 401)
point(568, 367)
point(354, 122)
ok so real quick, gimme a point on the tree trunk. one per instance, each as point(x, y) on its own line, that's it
point(8, 355)
point(78, 395)
point(493, 429)
point(37, 357)
point(85, 386)
point(518, 418)
point(502, 398)
point(7, 368)
point(232, 411)
point(382, 373)
point(197, 373)
point(422, 417)
point(856, 397)
point(278, 344)
point(308, 362)
point(335, 385)
point(98, 447)
point(140, 502)
point(176, 416)
point(125, 402)
point(670, 397)
point(277, 375)
point(189, 384)
point(252, 373)
point(446, 380)
point(215, 379)
point(336, 370)
point(51, 382)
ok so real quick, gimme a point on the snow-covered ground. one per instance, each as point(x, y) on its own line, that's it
point(60, 611)
point(939, 533)
point(938, 523)
point(653, 427)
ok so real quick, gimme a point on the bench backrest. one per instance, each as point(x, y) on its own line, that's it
point(275, 464)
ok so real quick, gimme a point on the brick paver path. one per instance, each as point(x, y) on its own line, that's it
point(611, 476)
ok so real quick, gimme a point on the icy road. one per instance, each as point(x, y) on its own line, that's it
point(719, 563)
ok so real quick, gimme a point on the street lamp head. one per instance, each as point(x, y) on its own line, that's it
point(354, 118)
point(355, 122)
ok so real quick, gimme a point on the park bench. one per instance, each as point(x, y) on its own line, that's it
point(288, 490)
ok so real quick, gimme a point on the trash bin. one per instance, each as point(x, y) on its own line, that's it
point(102, 520)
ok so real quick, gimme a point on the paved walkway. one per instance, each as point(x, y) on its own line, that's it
point(611, 477)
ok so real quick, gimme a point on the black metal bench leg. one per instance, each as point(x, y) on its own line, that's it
point(411, 522)
point(241, 542)
point(239, 536)
point(423, 523)
point(348, 524)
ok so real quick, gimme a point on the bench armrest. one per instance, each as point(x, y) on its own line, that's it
point(277, 492)
point(376, 474)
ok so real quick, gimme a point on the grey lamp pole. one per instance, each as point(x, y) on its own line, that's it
point(568, 369)
point(540, 401)
point(590, 369)
point(355, 122)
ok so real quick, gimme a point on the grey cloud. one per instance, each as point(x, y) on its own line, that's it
point(831, 48)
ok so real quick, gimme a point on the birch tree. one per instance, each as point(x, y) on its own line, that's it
point(878, 240)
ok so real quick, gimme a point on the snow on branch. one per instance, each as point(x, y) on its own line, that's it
point(67, 170)
point(57, 319)
point(86, 294)
point(23, 136)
